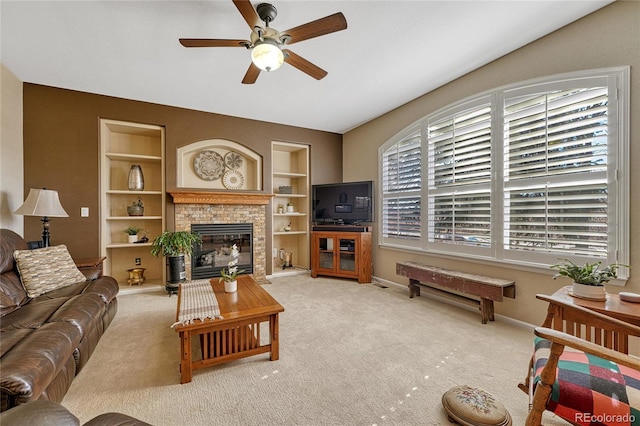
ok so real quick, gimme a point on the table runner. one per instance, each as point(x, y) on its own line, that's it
point(197, 301)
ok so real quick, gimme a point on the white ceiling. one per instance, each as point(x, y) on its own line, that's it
point(391, 52)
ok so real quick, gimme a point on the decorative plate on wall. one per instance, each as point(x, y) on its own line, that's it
point(233, 160)
point(233, 179)
point(208, 165)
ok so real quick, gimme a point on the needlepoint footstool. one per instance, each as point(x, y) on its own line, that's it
point(469, 406)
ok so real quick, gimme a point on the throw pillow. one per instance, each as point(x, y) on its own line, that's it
point(46, 269)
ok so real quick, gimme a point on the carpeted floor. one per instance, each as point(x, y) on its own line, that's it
point(350, 354)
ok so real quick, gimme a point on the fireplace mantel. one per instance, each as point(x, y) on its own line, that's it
point(208, 197)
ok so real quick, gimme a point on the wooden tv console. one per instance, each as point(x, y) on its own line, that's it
point(342, 251)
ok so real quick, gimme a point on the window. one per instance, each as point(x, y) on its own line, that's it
point(526, 174)
point(459, 191)
point(401, 184)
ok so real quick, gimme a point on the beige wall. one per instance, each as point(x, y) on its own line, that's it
point(11, 193)
point(606, 38)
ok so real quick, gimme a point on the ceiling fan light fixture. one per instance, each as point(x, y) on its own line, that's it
point(267, 55)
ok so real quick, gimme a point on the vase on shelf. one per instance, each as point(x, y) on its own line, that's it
point(136, 178)
point(230, 286)
point(136, 208)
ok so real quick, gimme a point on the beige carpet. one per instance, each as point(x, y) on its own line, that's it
point(350, 354)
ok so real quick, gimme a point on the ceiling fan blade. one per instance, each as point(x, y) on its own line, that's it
point(248, 12)
point(252, 74)
point(327, 25)
point(304, 65)
point(212, 42)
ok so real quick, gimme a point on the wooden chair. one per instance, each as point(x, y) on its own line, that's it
point(573, 346)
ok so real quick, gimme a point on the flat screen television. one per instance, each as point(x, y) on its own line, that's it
point(346, 203)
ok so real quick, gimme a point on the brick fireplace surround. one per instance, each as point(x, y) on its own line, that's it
point(201, 207)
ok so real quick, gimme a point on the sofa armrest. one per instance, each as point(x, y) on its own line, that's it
point(39, 413)
point(115, 419)
point(91, 273)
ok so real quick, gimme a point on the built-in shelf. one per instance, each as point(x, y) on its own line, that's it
point(290, 233)
point(290, 195)
point(134, 218)
point(123, 144)
point(129, 192)
point(132, 157)
point(291, 169)
point(128, 245)
point(289, 174)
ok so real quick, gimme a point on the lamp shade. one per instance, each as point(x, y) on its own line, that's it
point(42, 202)
point(267, 56)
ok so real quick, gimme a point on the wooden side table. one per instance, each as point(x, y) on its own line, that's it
point(90, 262)
point(612, 306)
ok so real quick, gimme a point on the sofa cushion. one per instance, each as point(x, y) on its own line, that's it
point(84, 311)
point(46, 269)
point(32, 315)
point(66, 292)
point(9, 338)
point(33, 363)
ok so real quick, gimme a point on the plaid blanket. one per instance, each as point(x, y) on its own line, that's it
point(197, 302)
point(590, 390)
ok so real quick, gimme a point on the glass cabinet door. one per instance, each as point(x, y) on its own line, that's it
point(347, 254)
point(325, 249)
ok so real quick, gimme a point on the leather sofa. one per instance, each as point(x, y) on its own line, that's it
point(46, 340)
point(52, 413)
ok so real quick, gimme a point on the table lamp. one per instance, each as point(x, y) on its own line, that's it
point(42, 202)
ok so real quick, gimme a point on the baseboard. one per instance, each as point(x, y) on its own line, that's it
point(453, 302)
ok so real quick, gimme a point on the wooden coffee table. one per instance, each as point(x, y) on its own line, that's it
point(238, 334)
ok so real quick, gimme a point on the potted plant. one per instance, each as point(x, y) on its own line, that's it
point(229, 276)
point(132, 233)
point(136, 208)
point(588, 279)
point(289, 207)
point(175, 245)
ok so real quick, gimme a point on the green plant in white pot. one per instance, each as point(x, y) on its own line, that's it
point(132, 233)
point(229, 276)
point(588, 279)
point(175, 245)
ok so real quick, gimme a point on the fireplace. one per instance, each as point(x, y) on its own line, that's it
point(207, 207)
point(214, 253)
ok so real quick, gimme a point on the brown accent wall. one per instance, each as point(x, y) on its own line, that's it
point(61, 146)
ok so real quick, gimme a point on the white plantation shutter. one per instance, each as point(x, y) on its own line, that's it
point(558, 219)
point(402, 217)
point(460, 148)
point(401, 185)
point(556, 172)
point(524, 175)
point(460, 177)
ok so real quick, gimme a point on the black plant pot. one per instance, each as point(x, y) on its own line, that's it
point(176, 273)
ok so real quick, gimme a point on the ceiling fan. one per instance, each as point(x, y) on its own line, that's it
point(267, 44)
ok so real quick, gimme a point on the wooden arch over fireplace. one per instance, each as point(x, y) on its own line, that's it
point(218, 164)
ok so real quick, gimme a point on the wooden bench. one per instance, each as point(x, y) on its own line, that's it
point(488, 289)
